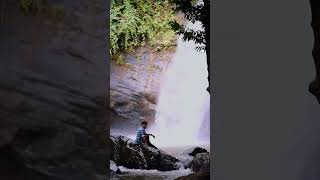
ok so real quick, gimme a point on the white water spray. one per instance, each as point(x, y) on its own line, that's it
point(183, 103)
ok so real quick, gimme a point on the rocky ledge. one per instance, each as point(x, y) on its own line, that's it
point(125, 153)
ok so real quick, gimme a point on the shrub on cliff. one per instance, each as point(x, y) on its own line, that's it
point(135, 23)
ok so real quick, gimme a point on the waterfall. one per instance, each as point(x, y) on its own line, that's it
point(183, 109)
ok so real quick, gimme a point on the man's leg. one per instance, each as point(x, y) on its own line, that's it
point(149, 143)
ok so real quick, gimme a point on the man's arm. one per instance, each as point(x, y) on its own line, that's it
point(150, 135)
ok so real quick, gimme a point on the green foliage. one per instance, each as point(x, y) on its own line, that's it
point(193, 12)
point(29, 6)
point(194, 2)
point(135, 23)
point(54, 11)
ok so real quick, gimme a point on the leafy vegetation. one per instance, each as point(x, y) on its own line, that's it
point(29, 6)
point(195, 12)
point(54, 11)
point(135, 23)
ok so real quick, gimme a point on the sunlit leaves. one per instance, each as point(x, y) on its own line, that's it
point(134, 23)
point(193, 12)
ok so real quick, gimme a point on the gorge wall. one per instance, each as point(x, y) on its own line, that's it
point(53, 89)
point(134, 89)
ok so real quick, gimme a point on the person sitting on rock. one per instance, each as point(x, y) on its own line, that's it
point(142, 137)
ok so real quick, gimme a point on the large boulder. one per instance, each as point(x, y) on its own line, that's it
point(188, 155)
point(125, 153)
point(201, 162)
point(53, 89)
point(200, 165)
point(194, 151)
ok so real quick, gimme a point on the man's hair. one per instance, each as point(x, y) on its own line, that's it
point(144, 122)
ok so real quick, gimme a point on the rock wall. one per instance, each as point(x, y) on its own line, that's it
point(125, 153)
point(134, 89)
point(314, 87)
point(53, 91)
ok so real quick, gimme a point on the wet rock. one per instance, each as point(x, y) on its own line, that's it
point(114, 168)
point(185, 160)
point(201, 162)
point(125, 153)
point(200, 165)
point(194, 151)
point(187, 156)
point(196, 176)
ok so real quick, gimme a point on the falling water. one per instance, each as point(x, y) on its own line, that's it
point(183, 115)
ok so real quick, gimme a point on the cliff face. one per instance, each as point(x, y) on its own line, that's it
point(314, 87)
point(134, 89)
point(53, 91)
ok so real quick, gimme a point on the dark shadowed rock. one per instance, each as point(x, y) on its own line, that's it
point(125, 153)
point(53, 84)
point(194, 151)
point(201, 162)
point(200, 165)
point(185, 160)
point(7, 135)
point(196, 176)
point(314, 87)
point(188, 155)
